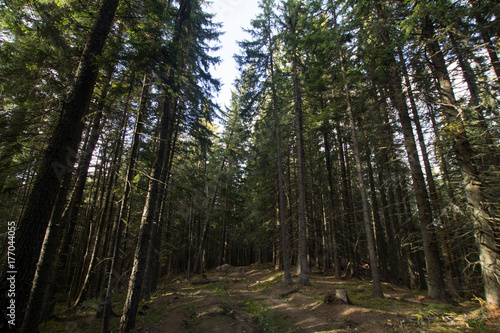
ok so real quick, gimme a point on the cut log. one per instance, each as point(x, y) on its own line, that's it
point(337, 296)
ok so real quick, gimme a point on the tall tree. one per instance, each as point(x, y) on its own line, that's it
point(184, 74)
point(375, 272)
point(263, 34)
point(58, 160)
point(123, 207)
point(293, 10)
point(483, 223)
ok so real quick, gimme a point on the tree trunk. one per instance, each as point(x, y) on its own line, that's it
point(46, 268)
point(483, 221)
point(334, 227)
point(436, 287)
point(379, 231)
point(435, 202)
point(156, 228)
point(127, 321)
point(58, 159)
point(435, 281)
point(73, 209)
point(151, 209)
point(109, 206)
point(370, 240)
point(477, 119)
point(348, 217)
point(392, 219)
point(297, 102)
point(45, 263)
point(281, 196)
point(490, 45)
point(78, 263)
point(123, 207)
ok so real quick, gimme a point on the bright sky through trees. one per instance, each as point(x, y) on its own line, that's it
point(234, 15)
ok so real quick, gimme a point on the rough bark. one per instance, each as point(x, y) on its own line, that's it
point(94, 273)
point(348, 218)
point(379, 230)
point(486, 36)
point(151, 209)
point(333, 232)
point(483, 221)
point(281, 196)
point(57, 160)
point(156, 228)
point(297, 102)
point(45, 263)
point(123, 206)
point(370, 239)
point(435, 202)
point(435, 280)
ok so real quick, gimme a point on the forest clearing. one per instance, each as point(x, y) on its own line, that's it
point(360, 138)
point(255, 299)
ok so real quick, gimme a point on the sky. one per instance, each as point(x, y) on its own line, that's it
point(234, 15)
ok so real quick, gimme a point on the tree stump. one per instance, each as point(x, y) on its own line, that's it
point(337, 296)
point(224, 268)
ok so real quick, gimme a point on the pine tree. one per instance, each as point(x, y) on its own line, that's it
point(57, 161)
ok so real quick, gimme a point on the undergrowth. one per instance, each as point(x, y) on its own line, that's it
point(269, 320)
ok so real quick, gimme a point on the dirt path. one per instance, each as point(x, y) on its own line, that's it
point(241, 301)
point(253, 299)
point(298, 314)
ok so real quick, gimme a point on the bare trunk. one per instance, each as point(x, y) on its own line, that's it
point(151, 209)
point(483, 221)
point(392, 218)
point(156, 228)
point(435, 202)
point(281, 196)
point(58, 159)
point(45, 263)
point(370, 239)
point(435, 280)
point(297, 102)
point(333, 232)
point(379, 231)
point(347, 215)
point(122, 211)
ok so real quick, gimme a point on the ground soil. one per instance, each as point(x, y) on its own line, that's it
point(254, 299)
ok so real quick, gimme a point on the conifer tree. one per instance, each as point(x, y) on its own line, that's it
point(58, 160)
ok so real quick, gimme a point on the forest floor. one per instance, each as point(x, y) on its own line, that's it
point(254, 299)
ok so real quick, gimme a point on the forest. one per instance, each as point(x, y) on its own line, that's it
point(362, 141)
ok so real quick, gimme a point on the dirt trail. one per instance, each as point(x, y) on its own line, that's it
point(299, 316)
point(253, 299)
point(232, 300)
